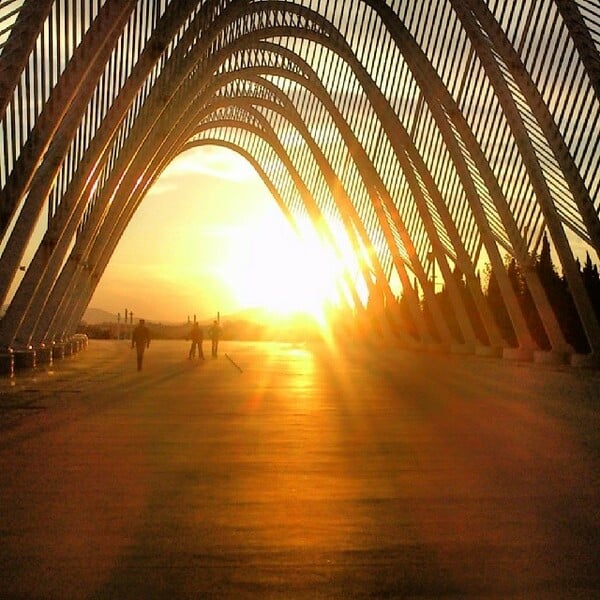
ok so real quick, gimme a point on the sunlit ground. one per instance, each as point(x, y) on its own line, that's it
point(298, 476)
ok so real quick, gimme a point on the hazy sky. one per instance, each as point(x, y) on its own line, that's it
point(208, 237)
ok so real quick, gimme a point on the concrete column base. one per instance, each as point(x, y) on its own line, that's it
point(462, 349)
point(25, 359)
point(550, 357)
point(588, 361)
point(82, 341)
point(489, 351)
point(44, 355)
point(58, 351)
point(523, 354)
point(7, 364)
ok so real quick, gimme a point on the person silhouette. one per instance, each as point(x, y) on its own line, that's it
point(140, 338)
point(215, 332)
point(197, 337)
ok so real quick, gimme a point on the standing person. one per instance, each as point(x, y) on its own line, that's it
point(140, 338)
point(215, 332)
point(197, 337)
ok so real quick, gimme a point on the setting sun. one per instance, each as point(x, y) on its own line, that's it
point(283, 272)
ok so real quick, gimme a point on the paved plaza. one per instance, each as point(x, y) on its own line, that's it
point(291, 471)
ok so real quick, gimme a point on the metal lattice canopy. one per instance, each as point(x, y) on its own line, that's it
point(453, 131)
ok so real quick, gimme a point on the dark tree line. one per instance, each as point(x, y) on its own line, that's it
point(555, 285)
point(559, 296)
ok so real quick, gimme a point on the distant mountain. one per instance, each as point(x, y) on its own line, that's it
point(95, 316)
point(246, 324)
point(92, 316)
point(98, 316)
point(255, 314)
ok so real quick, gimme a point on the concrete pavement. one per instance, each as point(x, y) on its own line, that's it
point(287, 471)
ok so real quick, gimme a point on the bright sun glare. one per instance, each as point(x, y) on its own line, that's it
point(282, 272)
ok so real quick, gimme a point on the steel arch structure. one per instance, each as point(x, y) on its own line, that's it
point(419, 134)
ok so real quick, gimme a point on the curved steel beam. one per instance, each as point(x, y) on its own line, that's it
point(116, 164)
point(412, 166)
point(53, 135)
point(19, 45)
point(457, 302)
point(443, 108)
point(33, 291)
point(580, 34)
point(580, 296)
point(536, 103)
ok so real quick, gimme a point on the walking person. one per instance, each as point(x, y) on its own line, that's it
point(197, 337)
point(215, 332)
point(140, 338)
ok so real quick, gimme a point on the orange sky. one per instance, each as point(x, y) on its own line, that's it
point(208, 237)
